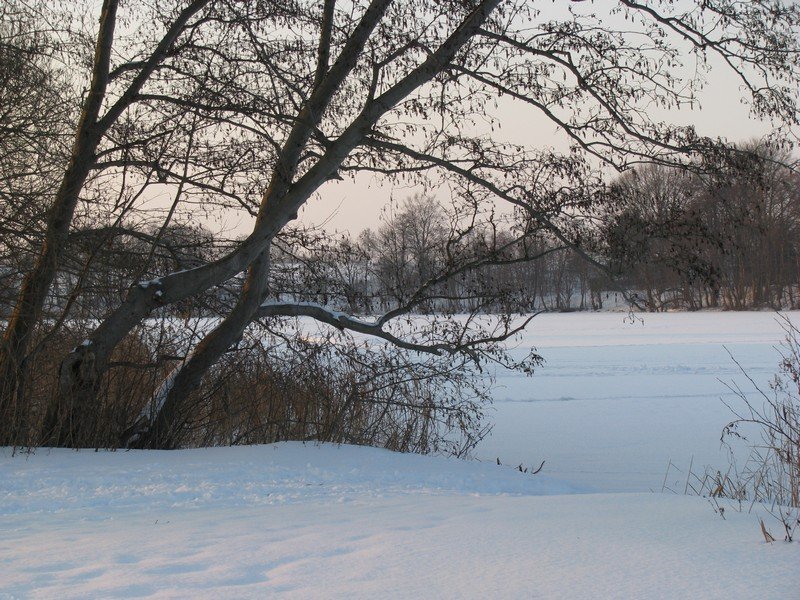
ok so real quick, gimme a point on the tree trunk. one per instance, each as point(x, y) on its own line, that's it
point(170, 401)
point(36, 285)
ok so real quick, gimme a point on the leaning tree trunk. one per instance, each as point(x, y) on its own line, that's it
point(90, 131)
point(36, 286)
point(171, 405)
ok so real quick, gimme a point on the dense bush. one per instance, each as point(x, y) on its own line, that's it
point(326, 387)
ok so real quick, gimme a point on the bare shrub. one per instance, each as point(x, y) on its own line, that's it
point(269, 388)
point(771, 474)
point(336, 391)
point(136, 368)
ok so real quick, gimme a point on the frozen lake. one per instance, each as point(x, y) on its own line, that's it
point(618, 399)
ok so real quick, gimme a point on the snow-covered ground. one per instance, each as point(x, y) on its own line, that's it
point(322, 522)
point(614, 403)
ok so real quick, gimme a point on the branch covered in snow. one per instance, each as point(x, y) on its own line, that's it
point(375, 329)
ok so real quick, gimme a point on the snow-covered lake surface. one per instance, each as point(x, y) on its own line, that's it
point(614, 403)
point(619, 398)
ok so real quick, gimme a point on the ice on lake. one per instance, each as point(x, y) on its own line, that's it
point(619, 398)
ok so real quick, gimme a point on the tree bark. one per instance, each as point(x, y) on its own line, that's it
point(170, 402)
point(36, 285)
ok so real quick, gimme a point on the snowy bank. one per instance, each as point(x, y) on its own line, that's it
point(304, 521)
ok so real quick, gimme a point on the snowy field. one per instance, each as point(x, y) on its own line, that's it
point(308, 522)
point(614, 404)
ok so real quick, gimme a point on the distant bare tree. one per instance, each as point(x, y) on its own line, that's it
point(657, 237)
point(726, 238)
point(408, 248)
point(756, 205)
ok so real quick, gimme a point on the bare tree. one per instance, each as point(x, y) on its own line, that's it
point(657, 235)
point(408, 247)
point(755, 205)
point(93, 125)
point(723, 238)
point(34, 126)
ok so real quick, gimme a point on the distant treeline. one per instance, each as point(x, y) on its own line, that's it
point(675, 239)
point(670, 239)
